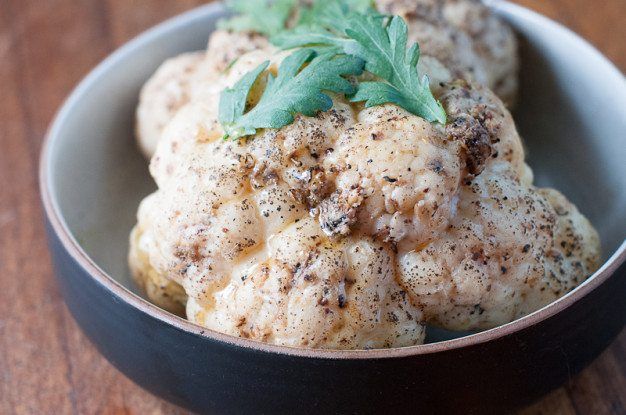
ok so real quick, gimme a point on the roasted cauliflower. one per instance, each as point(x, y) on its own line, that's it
point(357, 227)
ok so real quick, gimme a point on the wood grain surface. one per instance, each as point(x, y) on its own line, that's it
point(46, 365)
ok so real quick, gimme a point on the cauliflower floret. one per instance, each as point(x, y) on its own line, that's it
point(182, 79)
point(307, 290)
point(501, 257)
point(161, 290)
point(231, 220)
point(162, 96)
point(398, 172)
point(459, 38)
point(225, 48)
point(356, 227)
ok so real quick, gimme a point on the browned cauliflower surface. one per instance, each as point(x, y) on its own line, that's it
point(355, 228)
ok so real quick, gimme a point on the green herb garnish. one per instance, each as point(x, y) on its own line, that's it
point(331, 13)
point(297, 89)
point(384, 51)
point(344, 36)
point(267, 17)
point(233, 100)
point(383, 48)
point(323, 25)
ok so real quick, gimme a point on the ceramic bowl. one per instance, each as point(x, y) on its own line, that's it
point(573, 116)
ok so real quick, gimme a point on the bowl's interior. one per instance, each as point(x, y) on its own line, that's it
point(572, 115)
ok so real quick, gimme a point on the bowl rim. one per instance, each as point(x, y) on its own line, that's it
point(73, 248)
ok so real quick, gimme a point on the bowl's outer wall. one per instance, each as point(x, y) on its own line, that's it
point(209, 376)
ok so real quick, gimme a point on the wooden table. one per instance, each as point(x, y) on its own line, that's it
point(46, 365)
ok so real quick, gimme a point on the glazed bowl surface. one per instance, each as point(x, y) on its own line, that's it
point(572, 114)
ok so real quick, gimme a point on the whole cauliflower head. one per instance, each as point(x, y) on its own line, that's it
point(357, 227)
point(465, 38)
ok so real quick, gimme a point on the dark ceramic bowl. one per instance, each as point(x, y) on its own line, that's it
point(573, 115)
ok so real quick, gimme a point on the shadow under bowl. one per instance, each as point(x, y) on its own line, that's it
point(573, 116)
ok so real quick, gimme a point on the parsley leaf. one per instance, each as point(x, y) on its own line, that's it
point(332, 14)
point(267, 17)
point(385, 54)
point(383, 48)
point(323, 25)
point(296, 89)
point(315, 37)
point(233, 100)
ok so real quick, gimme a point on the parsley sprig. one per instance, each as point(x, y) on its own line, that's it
point(382, 46)
point(323, 25)
point(332, 13)
point(340, 37)
point(297, 89)
point(384, 51)
point(266, 17)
